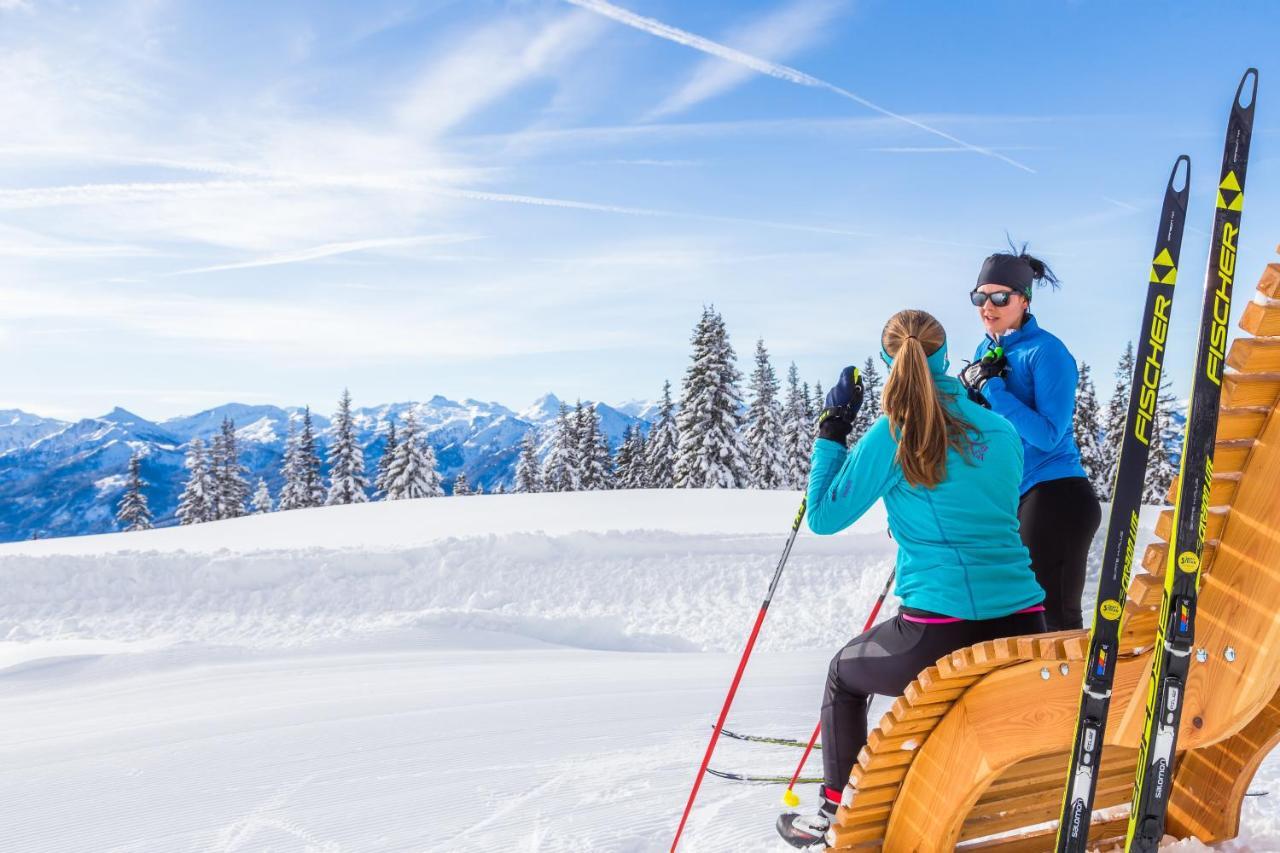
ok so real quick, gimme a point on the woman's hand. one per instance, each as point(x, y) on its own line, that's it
point(992, 364)
point(841, 406)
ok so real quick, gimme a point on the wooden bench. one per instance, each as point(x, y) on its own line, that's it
point(974, 753)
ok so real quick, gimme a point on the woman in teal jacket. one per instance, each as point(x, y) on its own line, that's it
point(1028, 376)
point(947, 470)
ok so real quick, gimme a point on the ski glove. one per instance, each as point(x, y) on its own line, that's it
point(841, 406)
point(975, 375)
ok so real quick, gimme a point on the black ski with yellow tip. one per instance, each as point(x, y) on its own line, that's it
point(1166, 692)
point(1122, 529)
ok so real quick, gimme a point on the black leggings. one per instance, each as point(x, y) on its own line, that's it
point(884, 661)
point(1058, 519)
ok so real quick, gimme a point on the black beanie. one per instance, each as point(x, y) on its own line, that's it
point(1009, 270)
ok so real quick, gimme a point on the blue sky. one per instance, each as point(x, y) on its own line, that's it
point(204, 202)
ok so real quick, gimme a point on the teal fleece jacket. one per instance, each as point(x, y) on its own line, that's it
point(959, 552)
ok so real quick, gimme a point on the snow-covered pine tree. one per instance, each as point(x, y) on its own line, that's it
point(630, 467)
point(664, 440)
point(478, 490)
point(261, 498)
point(133, 512)
point(625, 458)
point(558, 473)
point(872, 382)
point(291, 494)
point(1162, 465)
point(1086, 424)
point(710, 452)
point(232, 488)
point(1114, 426)
point(819, 400)
point(197, 502)
point(384, 461)
point(797, 430)
point(461, 487)
point(309, 463)
point(347, 480)
point(595, 463)
point(435, 483)
point(528, 471)
point(766, 460)
point(413, 472)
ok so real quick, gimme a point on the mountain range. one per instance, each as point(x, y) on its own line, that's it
point(60, 478)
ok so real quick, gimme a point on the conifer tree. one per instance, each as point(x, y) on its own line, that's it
point(595, 464)
point(460, 485)
point(797, 430)
point(819, 400)
point(347, 480)
point(709, 452)
point(133, 512)
point(766, 462)
point(197, 503)
point(625, 458)
point(261, 498)
point(1089, 436)
point(291, 492)
point(660, 450)
point(312, 486)
point(872, 383)
point(528, 471)
point(1117, 409)
point(413, 472)
point(558, 472)
point(232, 490)
point(1162, 464)
point(381, 483)
point(630, 469)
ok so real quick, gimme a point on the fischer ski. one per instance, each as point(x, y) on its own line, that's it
point(1153, 780)
point(758, 780)
point(777, 741)
point(1122, 527)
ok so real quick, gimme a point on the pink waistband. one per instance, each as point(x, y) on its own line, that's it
point(947, 620)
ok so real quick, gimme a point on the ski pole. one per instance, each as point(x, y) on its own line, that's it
point(789, 796)
point(737, 677)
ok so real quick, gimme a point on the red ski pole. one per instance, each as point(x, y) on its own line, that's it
point(737, 676)
point(789, 796)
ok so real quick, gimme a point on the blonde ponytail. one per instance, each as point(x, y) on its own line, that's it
point(923, 426)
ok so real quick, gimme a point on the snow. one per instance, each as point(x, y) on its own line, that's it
point(516, 672)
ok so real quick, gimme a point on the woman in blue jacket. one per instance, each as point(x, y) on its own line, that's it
point(948, 472)
point(1028, 376)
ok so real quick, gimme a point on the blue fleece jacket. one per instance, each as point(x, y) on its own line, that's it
point(1039, 399)
point(959, 552)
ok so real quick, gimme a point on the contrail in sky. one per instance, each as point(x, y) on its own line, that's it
point(772, 69)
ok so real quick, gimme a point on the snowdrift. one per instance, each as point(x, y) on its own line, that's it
point(626, 570)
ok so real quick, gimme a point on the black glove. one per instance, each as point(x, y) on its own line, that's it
point(975, 375)
point(841, 406)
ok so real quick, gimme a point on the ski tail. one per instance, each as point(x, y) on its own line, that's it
point(1166, 695)
point(1122, 526)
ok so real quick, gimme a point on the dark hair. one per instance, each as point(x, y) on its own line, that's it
point(1040, 271)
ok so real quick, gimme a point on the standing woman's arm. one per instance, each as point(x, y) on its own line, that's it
point(843, 484)
point(1055, 379)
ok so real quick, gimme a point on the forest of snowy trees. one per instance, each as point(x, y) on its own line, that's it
point(712, 438)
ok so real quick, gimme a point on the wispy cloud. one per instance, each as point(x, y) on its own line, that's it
point(329, 250)
point(488, 64)
point(772, 69)
point(777, 35)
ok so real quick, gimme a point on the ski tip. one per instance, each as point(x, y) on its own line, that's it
point(1253, 90)
point(1180, 177)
